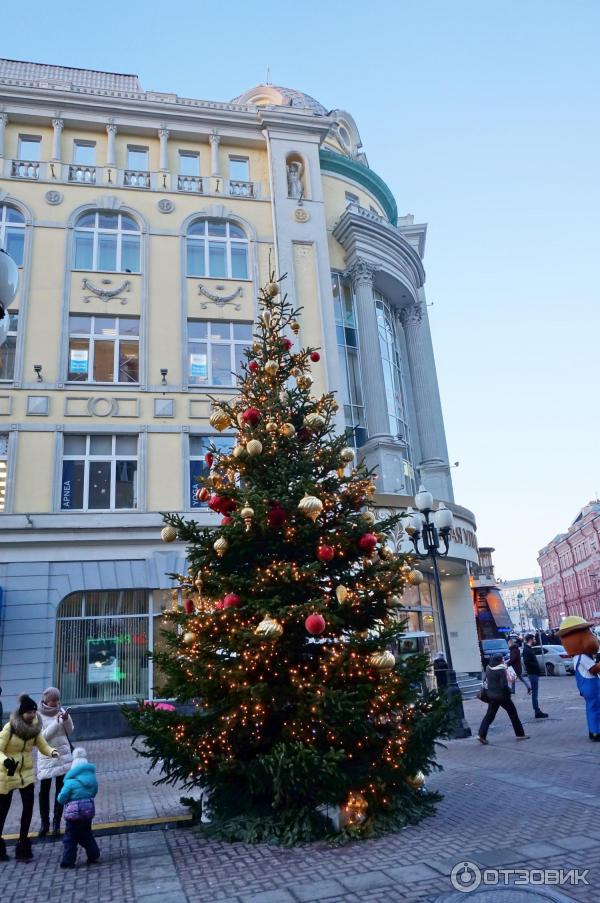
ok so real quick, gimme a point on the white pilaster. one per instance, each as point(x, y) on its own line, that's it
point(215, 140)
point(111, 150)
point(163, 134)
point(3, 121)
point(57, 125)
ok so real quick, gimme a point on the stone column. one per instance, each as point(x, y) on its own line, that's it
point(111, 150)
point(163, 134)
point(362, 274)
point(3, 121)
point(435, 472)
point(57, 125)
point(215, 140)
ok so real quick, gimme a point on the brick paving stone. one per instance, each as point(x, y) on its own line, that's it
point(498, 857)
point(317, 890)
point(269, 896)
point(367, 880)
point(408, 874)
point(577, 842)
point(537, 850)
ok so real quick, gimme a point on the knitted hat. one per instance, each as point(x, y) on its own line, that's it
point(79, 755)
point(26, 704)
point(50, 693)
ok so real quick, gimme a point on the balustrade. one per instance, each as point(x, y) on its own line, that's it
point(25, 169)
point(136, 178)
point(190, 183)
point(79, 173)
point(241, 189)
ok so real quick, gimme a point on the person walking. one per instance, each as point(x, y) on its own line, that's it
point(56, 727)
point(19, 735)
point(77, 796)
point(498, 696)
point(516, 663)
point(534, 672)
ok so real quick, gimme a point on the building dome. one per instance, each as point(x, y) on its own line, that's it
point(262, 95)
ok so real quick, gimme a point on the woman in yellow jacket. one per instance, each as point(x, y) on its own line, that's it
point(17, 739)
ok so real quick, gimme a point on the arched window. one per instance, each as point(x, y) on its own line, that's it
point(218, 249)
point(12, 232)
point(107, 242)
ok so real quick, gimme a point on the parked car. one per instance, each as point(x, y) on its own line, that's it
point(488, 648)
point(556, 660)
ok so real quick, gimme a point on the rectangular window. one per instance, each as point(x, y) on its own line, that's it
point(99, 473)
point(239, 169)
point(137, 158)
point(189, 163)
point(3, 468)
point(351, 198)
point(103, 349)
point(199, 445)
point(9, 348)
point(215, 351)
point(30, 148)
point(84, 153)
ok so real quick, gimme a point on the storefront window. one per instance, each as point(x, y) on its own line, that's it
point(102, 643)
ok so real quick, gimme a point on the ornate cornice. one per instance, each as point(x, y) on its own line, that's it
point(361, 272)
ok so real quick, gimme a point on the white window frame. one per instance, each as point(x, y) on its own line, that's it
point(358, 414)
point(77, 142)
point(12, 333)
point(96, 231)
point(92, 337)
point(227, 240)
point(5, 225)
point(30, 139)
point(3, 469)
point(235, 346)
point(138, 149)
point(193, 155)
point(203, 469)
point(351, 198)
point(238, 158)
point(113, 458)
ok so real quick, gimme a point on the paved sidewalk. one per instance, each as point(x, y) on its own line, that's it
point(510, 805)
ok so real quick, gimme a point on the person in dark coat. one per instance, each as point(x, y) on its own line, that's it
point(515, 661)
point(498, 694)
point(534, 672)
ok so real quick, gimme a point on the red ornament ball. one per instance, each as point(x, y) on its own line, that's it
point(325, 553)
point(276, 516)
point(251, 416)
point(315, 356)
point(221, 505)
point(219, 605)
point(367, 542)
point(253, 366)
point(225, 520)
point(315, 624)
point(188, 606)
point(202, 494)
point(209, 459)
point(287, 343)
point(231, 600)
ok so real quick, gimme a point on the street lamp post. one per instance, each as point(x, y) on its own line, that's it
point(430, 527)
point(519, 600)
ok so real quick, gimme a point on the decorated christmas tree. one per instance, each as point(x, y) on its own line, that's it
point(303, 723)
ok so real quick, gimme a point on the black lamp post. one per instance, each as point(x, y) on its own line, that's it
point(430, 527)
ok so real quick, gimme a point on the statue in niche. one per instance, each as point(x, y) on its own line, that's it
point(295, 170)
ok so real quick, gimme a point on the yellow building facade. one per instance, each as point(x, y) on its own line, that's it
point(143, 224)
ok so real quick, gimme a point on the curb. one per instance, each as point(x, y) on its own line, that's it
point(130, 826)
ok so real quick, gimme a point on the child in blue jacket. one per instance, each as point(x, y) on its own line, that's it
point(77, 796)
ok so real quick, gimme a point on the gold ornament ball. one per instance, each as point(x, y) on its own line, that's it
point(382, 661)
point(271, 367)
point(314, 421)
point(416, 781)
point(254, 447)
point(168, 534)
point(188, 637)
point(347, 455)
point(271, 427)
point(219, 419)
point(310, 506)
point(341, 593)
point(266, 318)
point(387, 553)
point(415, 577)
point(247, 511)
point(368, 518)
point(295, 327)
point(272, 289)
point(220, 546)
point(269, 628)
point(288, 430)
point(239, 451)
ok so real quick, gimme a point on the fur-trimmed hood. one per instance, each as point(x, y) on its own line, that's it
point(22, 729)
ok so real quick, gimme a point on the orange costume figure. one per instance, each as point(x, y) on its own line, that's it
point(579, 641)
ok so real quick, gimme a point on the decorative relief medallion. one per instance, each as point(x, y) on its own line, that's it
point(165, 205)
point(102, 407)
point(54, 197)
point(301, 215)
point(220, 300)
point(105, 294)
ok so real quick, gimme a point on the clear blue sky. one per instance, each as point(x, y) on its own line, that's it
point(483, 117)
